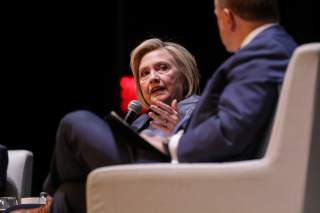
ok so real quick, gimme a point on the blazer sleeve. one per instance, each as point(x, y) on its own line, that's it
point(228, 128)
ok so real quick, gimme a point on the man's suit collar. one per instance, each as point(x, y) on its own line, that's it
point(254, 33)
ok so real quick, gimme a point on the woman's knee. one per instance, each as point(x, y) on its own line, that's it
point(76, 117)
point(73, 125)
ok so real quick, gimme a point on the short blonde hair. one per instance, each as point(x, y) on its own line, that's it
point(185, 60)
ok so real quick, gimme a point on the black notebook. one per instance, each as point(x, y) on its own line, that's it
point(120, 126)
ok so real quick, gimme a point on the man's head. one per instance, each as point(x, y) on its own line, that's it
point(237, 17)
point(163, 71)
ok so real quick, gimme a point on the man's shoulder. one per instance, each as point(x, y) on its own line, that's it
point(265, 57)
point(274, 40)
point(271, 45)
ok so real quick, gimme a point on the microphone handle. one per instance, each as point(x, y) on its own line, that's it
point(130, 117)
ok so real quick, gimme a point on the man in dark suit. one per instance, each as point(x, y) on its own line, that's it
point(239, 100)
point(3, 168)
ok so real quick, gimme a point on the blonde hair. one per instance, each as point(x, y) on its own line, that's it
point(185, 60)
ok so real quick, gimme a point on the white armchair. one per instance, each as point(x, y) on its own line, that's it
point(19, 173)
point(286, 179)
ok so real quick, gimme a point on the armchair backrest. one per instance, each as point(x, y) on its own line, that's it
point(19, 173)
point(294, 147)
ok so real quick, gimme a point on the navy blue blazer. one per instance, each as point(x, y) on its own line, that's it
point(238, 101)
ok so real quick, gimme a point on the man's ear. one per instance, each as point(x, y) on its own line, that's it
point(230, 19)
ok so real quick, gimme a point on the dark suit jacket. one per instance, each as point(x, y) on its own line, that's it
point(238, 101)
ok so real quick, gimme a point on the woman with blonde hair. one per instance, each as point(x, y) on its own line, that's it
point(167, 80)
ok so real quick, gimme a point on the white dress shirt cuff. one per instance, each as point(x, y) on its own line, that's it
point(173, 146)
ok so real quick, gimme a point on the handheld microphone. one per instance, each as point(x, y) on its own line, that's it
point(134, 109)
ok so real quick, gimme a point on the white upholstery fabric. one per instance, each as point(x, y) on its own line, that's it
point(19, 174)
point(285, 180)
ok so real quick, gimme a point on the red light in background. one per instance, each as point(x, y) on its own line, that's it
point(128, 91)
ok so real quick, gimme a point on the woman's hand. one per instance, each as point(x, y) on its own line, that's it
point(164, 117)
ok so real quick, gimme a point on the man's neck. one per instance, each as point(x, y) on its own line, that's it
point(245, 28)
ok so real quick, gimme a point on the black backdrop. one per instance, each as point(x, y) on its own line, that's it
point(60, 57)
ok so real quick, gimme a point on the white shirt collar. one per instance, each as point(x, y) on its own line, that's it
point(254, 33)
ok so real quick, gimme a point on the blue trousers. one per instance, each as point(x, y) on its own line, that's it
point(85, 142)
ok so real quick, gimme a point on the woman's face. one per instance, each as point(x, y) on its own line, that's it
point(160, 78)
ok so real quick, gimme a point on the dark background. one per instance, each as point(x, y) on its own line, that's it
point(59, 57)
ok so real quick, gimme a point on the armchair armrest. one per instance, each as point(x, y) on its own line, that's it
point(241, 187)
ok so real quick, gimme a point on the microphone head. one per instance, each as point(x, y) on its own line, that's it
point(135, 106)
